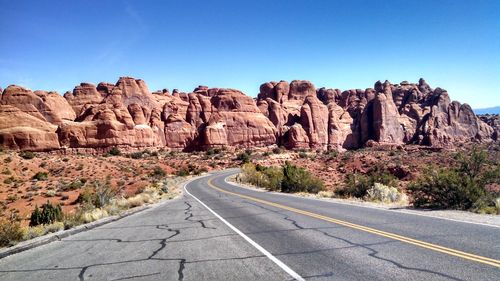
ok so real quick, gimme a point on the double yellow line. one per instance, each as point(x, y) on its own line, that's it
point(430, 246)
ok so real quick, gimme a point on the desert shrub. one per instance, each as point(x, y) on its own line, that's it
point(39, 230)
point(86, 196)
point(199, 171)
point(158, 172)
point(48, 214)
point(460, 187)
point(140, 199)
point(104, 193)
point(383, 193)
point(136, 155)
point(27, 155)
point(11, 198)
point(76, 184)
point(266, 177)
point(277, 150)
point(10, 232)
point(41, 176)
point(7, 160)
point(296, 179)
point(326, 194)
point(244, 157)
point(115, 151)
point(182, 172)
point(273, 178)
point(9, 180)
point(98, 196)
point(93, 215)
point(287, 178)
point(302, 154)
point(213, 151)
point(73, 219)
point(331, 154)
point(357, 185)
point(50, 193)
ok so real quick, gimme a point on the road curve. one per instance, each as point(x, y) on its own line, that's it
point(218, 231)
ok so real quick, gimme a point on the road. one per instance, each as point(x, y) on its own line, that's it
point(218, 231)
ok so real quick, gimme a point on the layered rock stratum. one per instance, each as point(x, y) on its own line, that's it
point(295, 115)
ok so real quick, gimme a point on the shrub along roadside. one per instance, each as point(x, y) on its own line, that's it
point(95, 202)
point(357, 185)
point(287, 178)
point(462, 187)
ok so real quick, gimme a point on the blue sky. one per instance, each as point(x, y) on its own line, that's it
point(55, 45)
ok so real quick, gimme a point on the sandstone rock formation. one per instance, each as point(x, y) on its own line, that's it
point(295, 115)
point(389, 113)
point(22, 131)
point(493, 120)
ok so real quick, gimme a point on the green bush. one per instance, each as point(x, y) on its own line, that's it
point(104, 193)
point(136, 155)
point(287, 178)
point(41, 176)
point(460, 187)
point(244, 157)
point(158, 172)
point(115, 151)
point(213, 151)
point(277, 150)
point(357, 185)
point(10, 232)
point(267, 177)
point(48, 214)
point(331, 154)
point(296, 179)
point(9, 180)
point(182, 172)
point(88, 197)
point(27, 155)
point(76, 184)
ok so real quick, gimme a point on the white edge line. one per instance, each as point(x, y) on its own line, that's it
point(283, 266)
point(361, 206)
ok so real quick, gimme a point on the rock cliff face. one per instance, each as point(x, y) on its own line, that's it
point(295, 115)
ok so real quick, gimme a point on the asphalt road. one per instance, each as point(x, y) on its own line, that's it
point(218, 231)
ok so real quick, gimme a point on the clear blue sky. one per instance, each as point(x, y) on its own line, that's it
point(54, 45)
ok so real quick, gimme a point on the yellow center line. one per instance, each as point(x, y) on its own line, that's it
point(423, 244)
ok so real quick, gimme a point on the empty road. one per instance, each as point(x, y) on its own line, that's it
point(218, 231)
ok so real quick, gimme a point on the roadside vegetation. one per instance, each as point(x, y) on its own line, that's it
point(472, 184)
point(86, 187)
point(287, 178)
point(465, 180)
point(96, 200)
